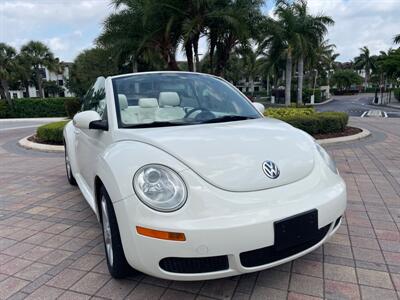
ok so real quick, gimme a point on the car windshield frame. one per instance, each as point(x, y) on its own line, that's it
point(255, 114)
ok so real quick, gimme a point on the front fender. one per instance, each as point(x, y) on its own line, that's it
point(120, 161)
point(69, 140)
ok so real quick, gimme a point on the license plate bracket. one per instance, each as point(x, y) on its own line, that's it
point(296, 230)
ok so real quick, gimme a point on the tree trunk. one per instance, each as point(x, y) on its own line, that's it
point(268, 84)
point(189, 55)
point(134, 65)
point(27, 89)
point(39, 82)
point(196, 51)
point(6, 91)
point(300, 70)
point(288, 77)
point(212, 51)
point(251, 82)
point(366, 78)
point(172, 64)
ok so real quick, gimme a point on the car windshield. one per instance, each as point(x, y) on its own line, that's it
point(173, 99)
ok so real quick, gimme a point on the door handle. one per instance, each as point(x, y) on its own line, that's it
point(77, 132)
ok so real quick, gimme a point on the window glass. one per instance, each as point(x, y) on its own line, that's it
point(95, 98)
point(177, 97)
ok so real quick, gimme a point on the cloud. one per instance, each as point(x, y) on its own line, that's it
point(66, 26)
point(69, 26)
point(360, 23)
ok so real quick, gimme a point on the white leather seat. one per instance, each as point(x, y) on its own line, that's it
point(169, 107)
point(147, 110)
point(128, 115)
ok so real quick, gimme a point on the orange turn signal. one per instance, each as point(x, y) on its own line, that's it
point(163, 235)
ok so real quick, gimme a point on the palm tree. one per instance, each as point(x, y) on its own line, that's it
point(7, 67)
point(310, 32)
point(39, 56)
point(237, 22)
point(323, 59)
point(24, 72)
point(282, 40)
point(396, 39)
point(251, 64)
point(367, 62)
point(142, 28)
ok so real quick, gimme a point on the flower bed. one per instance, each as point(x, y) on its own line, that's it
point(310, 121)
point(51, 133)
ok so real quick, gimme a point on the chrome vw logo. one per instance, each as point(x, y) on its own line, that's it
point(270, 169)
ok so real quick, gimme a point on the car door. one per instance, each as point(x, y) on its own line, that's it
point(91, 142)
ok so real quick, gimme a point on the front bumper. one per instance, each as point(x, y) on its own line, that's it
point(220, 223)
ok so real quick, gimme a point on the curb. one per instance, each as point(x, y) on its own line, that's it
point(321, 103)
point(25, 143)
point(363, 134)
point(33, 120)
point(393, 106)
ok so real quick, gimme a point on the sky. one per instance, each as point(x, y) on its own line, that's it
point(70, 26)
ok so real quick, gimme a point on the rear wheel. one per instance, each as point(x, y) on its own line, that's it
point(70, 176)
point(116, 261)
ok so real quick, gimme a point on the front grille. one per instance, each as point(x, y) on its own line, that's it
point(269, 254)
point(189, 265)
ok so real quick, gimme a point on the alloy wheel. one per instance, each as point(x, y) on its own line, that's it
point(107, 231)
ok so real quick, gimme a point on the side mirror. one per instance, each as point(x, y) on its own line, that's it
point(83, 119)
point(260, 107)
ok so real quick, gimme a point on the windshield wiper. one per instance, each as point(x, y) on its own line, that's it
point(157, 124)
point(227, 119)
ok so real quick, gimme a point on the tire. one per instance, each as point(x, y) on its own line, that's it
point(70, 176)
point(116, 261)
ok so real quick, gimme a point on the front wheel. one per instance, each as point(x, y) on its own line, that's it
point(70, 176)
point(116, 261)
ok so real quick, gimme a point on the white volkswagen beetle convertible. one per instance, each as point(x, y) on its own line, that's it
point(191, 182)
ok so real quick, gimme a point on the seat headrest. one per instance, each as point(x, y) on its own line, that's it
point(169, 99)
point(123, 101)
point(148, 102)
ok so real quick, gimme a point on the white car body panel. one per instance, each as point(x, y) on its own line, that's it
point(231, 205)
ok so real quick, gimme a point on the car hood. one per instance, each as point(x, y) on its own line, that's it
point(230, 155)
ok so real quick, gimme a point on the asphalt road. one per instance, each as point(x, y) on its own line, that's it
point(359, 106)
point(6, 125)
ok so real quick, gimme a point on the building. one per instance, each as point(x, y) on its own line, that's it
point(59, 78)
point(247, 85)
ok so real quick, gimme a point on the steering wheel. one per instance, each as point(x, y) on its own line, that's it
point(204, 114)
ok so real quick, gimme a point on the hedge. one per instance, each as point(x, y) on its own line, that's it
point(310, 121)
point(337, 92)
point(72, 106)
point(279, 95)
point(51, 133)
point(36, 108)
point(397, 93)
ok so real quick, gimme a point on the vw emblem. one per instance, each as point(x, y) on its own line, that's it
point(270, 169)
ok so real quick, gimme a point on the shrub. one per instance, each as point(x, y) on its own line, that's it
point(35, 108)
point(72, 106)
point(289, 112)
point(397, 93)
point(3, 109)
point(51, 133)
point(309, 120)
point(308, 123)
point(371, 89)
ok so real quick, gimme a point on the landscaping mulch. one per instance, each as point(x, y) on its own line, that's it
point(348, 131)
point(34, 139)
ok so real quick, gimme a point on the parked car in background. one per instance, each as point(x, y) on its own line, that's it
point(191, 182)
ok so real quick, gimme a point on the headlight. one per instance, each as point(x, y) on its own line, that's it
point(329, 161)
point(160, 188)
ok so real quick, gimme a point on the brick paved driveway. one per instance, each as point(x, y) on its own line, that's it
point(51, 246)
